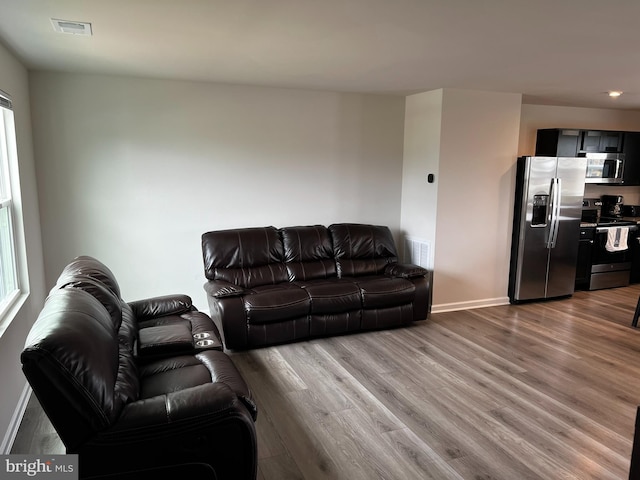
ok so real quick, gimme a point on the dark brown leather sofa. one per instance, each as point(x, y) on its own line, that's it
point(133, 410)
point(268, 285)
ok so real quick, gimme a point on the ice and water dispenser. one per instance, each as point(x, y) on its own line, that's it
point(540, 203)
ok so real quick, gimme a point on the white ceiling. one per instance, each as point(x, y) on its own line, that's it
point(562, 52)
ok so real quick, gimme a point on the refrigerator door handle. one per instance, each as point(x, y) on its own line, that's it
point(556, 188)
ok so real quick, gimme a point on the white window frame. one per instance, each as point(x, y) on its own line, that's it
point(9, 279)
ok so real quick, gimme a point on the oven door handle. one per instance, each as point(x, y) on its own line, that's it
point(632, 228)
point(554, 217)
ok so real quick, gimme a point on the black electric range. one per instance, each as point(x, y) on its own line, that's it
point(599, 266)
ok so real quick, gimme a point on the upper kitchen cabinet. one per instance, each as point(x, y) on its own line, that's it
point(600, 141)
point(563, 142)
point(557, 142)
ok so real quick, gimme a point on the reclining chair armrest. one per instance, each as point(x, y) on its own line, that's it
point(221, 289)
point(154, 307)
point(405, 270)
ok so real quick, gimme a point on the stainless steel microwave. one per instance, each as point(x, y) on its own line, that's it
point(604, 167)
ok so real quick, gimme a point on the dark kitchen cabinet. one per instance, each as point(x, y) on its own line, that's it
point(583, 265)
point(635, 260)
point(631, 150)
point(600, 141)
point(557, 142)
point(565, 142)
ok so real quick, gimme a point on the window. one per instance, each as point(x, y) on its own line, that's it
point(8, 277)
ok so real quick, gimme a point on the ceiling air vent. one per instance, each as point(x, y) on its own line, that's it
point(74, 28)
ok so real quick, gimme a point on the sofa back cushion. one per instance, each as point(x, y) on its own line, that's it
point(248, 257)
point(122, 317)
point(362, 249)
point(77, 367)
point(100, 291)
point(86, 266)
point(93, 276)
point(308, 252)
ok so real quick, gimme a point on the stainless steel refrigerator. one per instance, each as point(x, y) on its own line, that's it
point(546, 227)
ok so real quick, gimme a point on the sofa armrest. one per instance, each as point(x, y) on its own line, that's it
point(201, 404)
point(221, 289)
point(164, 340)
point(405, 270)
point(161, 306)
point(230, 317)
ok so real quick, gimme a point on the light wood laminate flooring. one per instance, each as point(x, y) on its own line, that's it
point(545, 390)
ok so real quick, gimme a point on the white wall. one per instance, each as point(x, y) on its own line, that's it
point(422, 128)
point(133, 171)
point(14, 81)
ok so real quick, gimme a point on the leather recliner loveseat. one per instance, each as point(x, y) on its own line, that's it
point(168, 406)
point(267, 285)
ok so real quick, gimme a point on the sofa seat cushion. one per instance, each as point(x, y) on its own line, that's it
point(275, 303)
point(381, 291)
point(173, 374)
point(332, 296)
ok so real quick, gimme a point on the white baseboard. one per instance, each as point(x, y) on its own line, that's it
point(18, 413)
point(452, 307)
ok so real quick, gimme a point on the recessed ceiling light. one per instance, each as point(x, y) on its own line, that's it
point(615, 93)
point(73, 28)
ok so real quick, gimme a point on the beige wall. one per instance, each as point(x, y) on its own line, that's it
point(469, 140)
point(481, 135)
point(14, 81)
point(475, 197)
point(133, 171)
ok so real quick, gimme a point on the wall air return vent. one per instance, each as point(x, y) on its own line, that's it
point(5, 100)
point(74, 28)
point(416, 251)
